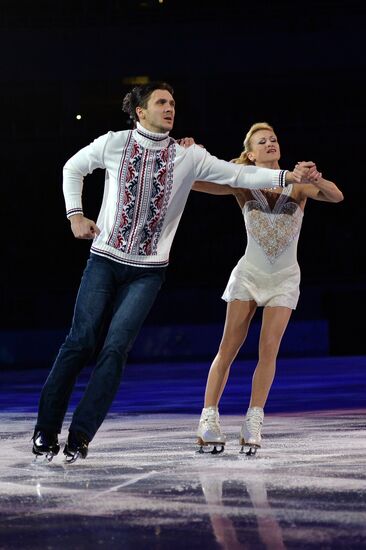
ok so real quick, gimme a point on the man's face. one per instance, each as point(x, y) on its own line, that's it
point(159, 113)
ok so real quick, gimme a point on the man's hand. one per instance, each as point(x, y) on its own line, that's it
point(304, 172)
point(312, 175)
point(83, 228)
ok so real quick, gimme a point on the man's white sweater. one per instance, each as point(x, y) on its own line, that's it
point(148, 177)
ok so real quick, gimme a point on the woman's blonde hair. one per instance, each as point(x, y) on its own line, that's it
point(243, 159)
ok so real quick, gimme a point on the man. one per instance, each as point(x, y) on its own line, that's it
point(148, 179)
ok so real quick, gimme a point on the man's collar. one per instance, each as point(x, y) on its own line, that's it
point(154, 136)
point(151, 140)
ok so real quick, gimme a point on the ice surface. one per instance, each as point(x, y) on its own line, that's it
point(143, 485)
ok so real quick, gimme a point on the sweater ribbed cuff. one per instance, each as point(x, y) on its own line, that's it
point(74, 211)
point(282, 178)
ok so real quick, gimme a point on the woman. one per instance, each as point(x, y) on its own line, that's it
point(268, 276)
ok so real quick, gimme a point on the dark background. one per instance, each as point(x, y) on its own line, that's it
point(298, 66)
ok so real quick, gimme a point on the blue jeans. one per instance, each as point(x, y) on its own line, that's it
point(113, 300)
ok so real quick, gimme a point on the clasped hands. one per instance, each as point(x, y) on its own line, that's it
point(306, 172)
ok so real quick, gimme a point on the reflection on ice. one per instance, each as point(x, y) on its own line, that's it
point(268, 528)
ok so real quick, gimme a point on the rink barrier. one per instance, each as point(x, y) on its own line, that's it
point(37, 348)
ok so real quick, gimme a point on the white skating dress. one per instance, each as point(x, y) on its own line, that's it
point(268, 273)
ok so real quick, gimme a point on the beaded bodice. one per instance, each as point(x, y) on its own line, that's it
point(273, 221)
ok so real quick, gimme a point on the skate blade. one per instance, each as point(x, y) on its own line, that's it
point(69, 459)
point(210, 448)
point(73, 458)
point(45, 458)
point(248, 450)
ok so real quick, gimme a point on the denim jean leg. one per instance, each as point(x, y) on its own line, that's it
point(94, 301)
point(133, 303)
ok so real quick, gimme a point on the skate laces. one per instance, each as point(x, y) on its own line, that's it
point(211, 420)
point(254, 421)
point(77, 440)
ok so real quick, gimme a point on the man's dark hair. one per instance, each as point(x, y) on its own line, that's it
point(140, 95)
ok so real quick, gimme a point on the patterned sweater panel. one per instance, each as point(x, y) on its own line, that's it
point(144, 187)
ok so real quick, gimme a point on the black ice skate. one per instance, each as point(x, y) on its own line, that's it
point(45, 444)
point(76, 446)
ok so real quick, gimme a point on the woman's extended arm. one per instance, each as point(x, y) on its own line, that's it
point(213, 188)
point(321, 190)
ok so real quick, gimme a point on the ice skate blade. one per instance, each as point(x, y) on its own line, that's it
point(70, 459)
point(45, 458)
point(248, 450)
point(206, 448)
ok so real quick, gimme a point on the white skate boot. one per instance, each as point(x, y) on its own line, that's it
point(209, 435)
point(250, 433)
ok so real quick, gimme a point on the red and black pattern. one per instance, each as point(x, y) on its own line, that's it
point(145, 183)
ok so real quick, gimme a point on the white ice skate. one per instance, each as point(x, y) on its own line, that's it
point(250, 433)
point(209, 435)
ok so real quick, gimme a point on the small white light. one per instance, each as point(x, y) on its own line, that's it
point(78, 117)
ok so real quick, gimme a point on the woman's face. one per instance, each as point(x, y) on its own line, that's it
point(264, 147)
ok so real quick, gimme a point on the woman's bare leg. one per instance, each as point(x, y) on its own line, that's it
point(238, 317)
point(274, 323)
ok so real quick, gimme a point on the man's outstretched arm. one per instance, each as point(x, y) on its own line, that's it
point(210, 168)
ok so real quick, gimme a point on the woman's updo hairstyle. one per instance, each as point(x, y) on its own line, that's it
point(243, 158)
